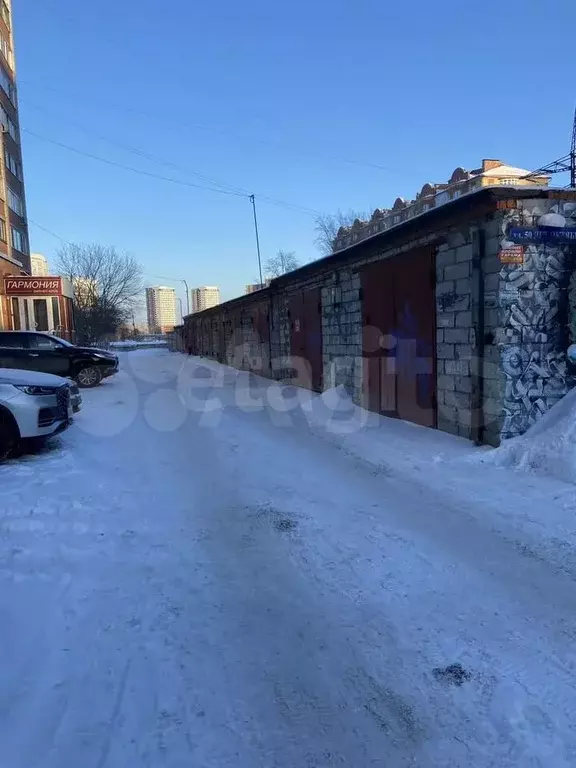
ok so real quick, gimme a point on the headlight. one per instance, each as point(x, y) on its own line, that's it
point(32, 390)
point(102, 357)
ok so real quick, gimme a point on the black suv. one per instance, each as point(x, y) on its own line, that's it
point(33, 351)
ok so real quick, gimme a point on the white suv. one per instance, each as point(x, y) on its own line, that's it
point(33, 405)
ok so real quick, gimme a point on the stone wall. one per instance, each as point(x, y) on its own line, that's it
point(493, 379)
point(502, 328)
point(342, 332)
point(534, 315)
point(454, 332)
point(280, 337)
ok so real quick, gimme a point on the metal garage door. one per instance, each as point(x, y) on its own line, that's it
point(306, 338)
point(399, 337)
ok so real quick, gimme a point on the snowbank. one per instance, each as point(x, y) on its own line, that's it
point(549, 447)
point(144, 343)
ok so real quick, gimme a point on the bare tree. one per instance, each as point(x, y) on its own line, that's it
point(107, 286)
point(327, 226)
point(284, 261)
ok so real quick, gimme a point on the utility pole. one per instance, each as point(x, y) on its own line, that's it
point(566, 164)
point(253, 201)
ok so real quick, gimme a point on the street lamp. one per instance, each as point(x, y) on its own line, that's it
point(187, 295)
point(181, 310)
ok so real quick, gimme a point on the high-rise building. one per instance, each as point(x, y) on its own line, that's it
point(39, 265)
point(85, 291)
point(14, 249)
point(205, 297)
point(161, 309)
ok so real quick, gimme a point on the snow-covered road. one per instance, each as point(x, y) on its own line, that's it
point(204, 575)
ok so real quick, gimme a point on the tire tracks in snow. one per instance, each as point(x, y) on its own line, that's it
point(115, 715)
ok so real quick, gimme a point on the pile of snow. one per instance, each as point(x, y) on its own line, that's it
point(549, 446)
point(150, 343)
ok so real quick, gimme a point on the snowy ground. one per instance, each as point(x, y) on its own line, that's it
point(214, 571)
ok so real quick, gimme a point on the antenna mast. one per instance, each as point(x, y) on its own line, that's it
point(563, 164)
point(573, 154)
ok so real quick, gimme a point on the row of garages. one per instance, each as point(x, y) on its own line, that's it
point(447, 321)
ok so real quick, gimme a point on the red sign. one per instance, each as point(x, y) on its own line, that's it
point(33, 286)
point(512, 255)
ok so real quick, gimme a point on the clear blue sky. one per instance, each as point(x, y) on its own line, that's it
point(274, 98)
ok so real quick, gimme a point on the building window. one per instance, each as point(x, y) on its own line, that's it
point(6, 51)
point(15, 202)
point(19, 240)
point(13, 165)
point(27, 314)
point(8, 124)
point(2, 230)
point(7, 85)
point(5, 12)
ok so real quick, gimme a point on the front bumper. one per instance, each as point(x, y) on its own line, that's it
point(54, 429)
point(42, 415)
point(53, 416)
point(111, 368)
point(75, 397)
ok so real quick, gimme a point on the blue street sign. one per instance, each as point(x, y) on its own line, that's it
point(527, 235)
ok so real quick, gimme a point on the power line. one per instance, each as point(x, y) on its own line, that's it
point(49, 232)
point(128, 167)
point(141, 153)
point(149, 174)
point(198, 126)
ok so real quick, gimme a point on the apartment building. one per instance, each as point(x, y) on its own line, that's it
point(161, 309)
point(253, 287)
point(14, 249)
point(85, 291)
point(39, 265)
point(205, 297)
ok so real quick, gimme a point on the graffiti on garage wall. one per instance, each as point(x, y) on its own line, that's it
point(534, 302)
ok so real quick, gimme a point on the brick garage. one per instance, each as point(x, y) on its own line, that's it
point(498, 355)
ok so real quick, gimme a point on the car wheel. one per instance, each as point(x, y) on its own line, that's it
point(8, 437)
point(89, 377)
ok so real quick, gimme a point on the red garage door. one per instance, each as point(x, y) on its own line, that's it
point(306, 338)
point(262, 325)
point(399, 337)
